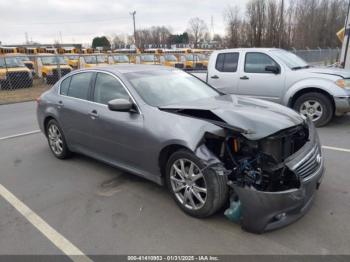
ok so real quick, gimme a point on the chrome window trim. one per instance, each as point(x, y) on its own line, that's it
point(98, 71)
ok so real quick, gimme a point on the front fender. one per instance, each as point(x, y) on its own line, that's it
point(323, 84)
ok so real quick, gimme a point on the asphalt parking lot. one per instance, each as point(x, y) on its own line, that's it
point(100, 210)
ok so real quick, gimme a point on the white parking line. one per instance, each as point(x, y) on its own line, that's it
point(21, 134)
point(56, 238)
point(336, 149)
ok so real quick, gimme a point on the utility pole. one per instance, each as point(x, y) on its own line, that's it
point(133, 18)
point(27, 38)
point(344, 54)
point(212, 28)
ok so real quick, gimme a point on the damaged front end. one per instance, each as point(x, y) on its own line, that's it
point(272, 180)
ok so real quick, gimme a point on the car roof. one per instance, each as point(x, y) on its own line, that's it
point(251, 49)
point(128, 68)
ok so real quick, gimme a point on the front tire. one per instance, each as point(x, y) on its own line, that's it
point(56, 140)
point(197, 190)
point(315, 105)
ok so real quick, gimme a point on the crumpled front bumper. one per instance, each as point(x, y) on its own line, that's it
point(264, 211)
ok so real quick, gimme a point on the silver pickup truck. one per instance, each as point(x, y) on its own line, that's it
point(282, 77)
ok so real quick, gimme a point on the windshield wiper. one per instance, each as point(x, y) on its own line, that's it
point(300, 67)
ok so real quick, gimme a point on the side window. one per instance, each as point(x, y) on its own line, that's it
point(257, 62)
point(64, 86)
point(227, 62)
point(108, 88)
point(79, 85)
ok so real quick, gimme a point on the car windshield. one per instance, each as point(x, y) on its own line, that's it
point(23, 58)
point(192, 58)
point(101, 59)
point(72, 57)
point(166, 87)
point(53, 60)
point(121, 58)
point(291, 60)
point(148, 58)
point(11, 62)
point(90, 59)
point(202, 57)
point(170, 58)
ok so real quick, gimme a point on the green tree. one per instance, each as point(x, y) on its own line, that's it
point(101, 42)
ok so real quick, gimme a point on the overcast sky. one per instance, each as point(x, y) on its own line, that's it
point(80, 20)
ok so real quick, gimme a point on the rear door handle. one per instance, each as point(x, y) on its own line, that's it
point(93, 114)
point(244, 78)
point(214, 77)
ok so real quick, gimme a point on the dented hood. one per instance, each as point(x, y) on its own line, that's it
point(253, 118)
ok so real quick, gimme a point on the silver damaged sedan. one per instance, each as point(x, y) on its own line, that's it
point(259, 160)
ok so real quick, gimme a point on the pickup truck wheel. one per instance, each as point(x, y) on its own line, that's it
point(315, 105)
point(197, 190)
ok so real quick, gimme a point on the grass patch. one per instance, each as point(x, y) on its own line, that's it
point(23, 94)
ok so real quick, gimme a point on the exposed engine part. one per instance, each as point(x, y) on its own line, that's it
point(257, 164)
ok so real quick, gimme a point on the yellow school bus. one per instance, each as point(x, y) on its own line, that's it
point(171, 60)
point(8, 50)
point(50, 67)
point(19, 53)
point(192, 61)
point(31, 50)
point(14, 74)
point(25, 60)
point(71, 56)
point(156, 51)
point(87, 51)
point(131, 53)
point(118, 59)
point(87, 61)
point(203, 60)
point(147, 59)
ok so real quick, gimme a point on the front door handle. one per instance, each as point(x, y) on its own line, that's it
point(244, 78)
point(93, 114)
point(214, 77)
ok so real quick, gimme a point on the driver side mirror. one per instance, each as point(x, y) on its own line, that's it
point(273, 69)
point(121, 105)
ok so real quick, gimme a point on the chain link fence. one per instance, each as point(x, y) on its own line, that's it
point(319, 56)
point(24, 77)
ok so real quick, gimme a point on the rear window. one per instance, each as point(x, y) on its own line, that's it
point(227, 62)
point(80, 85)
point(64, 86)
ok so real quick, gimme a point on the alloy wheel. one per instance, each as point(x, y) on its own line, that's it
point(312, 109)
point(188, 184)
point(55, 139)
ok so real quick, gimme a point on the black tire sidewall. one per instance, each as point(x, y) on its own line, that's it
point(326, 104)
point(216, 194)
point(65, 151)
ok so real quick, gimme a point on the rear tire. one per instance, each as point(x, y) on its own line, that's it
point(315, 105)
point(56, 140)
point(195, 181)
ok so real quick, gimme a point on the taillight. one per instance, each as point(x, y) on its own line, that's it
point(37, 100)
